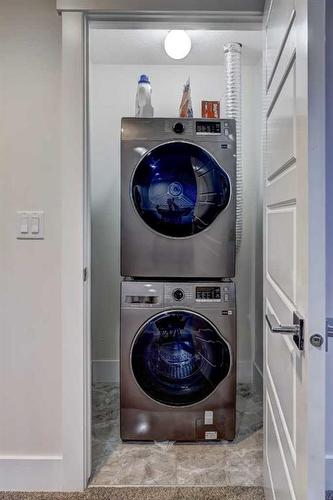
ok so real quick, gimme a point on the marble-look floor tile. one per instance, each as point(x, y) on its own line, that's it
point(137, 464)
point(244, 467)
point(200, 464)
point(235, 463)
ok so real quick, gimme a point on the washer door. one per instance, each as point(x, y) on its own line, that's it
point(178, 358)
point(179, 189)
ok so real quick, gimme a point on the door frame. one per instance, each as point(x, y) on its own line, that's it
point(76, 16)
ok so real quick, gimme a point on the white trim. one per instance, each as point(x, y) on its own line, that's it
point(105, 371)
point(75, 377)
point(193, 6)
point(31, 473)
point(316, 369)
point(155, 15)
point(86, 260)
point(158, 22)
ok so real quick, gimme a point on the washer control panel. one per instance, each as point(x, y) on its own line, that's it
point(178, 294)
point(208, 293)
point(201, 295)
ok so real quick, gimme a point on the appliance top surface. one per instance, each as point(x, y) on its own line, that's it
point(198, 129)
point(150, 294)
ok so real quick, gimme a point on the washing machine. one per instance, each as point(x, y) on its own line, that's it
point(178, 198)
point(177, 361)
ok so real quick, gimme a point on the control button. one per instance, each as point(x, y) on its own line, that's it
point(178, 128)
point(178, 294)
point(226, 297)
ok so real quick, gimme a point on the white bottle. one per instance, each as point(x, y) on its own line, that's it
point(143, 107)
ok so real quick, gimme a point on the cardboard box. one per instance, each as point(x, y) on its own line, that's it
point(210, 109)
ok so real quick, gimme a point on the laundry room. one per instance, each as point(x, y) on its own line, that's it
point(158, 275)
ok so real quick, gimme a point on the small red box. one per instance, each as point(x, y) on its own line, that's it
point(210, 109)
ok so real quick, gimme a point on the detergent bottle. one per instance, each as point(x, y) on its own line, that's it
point(143, 107)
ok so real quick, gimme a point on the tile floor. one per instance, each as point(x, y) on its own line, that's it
point(160, 464)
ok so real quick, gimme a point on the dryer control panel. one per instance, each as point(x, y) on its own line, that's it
point(208, 127)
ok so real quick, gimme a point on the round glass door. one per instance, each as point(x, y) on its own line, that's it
point(178, 358)
point(179, 189)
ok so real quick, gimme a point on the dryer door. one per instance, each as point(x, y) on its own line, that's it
point(178, 358)
point(179, 189)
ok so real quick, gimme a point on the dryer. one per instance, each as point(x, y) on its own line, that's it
point(178, 198)
point(178, 361)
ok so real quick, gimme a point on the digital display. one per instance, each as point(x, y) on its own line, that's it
point(208, 293)
point(141, 299)
point(208, 127)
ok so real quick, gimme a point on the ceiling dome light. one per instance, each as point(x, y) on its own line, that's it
point(177, 44)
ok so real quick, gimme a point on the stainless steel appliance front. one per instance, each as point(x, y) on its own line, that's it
point(178, 198)
point(178, 361)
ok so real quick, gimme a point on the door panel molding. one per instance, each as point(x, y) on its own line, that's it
point(280, 126)
point(282, 170)
point(274, 433)
point(288, 447)
point(286, 343)
point(284, 62)
point(281, 258)
point(281, 49)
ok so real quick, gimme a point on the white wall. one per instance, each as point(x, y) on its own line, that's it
point(113, 89)
point(31, 340)
point(249, 258)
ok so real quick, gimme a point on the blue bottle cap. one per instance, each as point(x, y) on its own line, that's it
point(144, 79)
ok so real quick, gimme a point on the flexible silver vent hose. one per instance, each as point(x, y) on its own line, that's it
point(233, 101)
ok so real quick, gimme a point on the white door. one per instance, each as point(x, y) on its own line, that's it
point(294, 250)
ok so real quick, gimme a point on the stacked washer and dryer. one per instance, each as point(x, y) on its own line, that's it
point(178, 308)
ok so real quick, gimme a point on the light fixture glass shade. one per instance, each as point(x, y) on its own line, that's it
point(177, 44)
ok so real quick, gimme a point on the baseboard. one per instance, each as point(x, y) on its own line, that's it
point(257, 378)
point(32, 473)
point(329, 472)
point(244, 372)
point(105, 370)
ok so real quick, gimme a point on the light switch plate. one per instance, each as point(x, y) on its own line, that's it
point(30, 225)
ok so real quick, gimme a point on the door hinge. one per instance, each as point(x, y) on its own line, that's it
point(329, 330)
point(85, 274)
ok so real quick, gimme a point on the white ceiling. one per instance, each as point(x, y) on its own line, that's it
point(120, 46)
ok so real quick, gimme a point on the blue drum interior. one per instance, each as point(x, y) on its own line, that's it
point(179, 189)
point(178, 358)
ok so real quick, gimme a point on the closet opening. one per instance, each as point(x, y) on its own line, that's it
point(141, 322)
